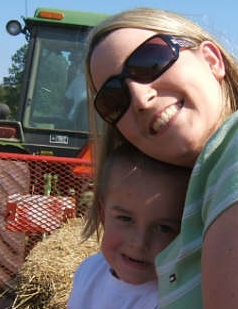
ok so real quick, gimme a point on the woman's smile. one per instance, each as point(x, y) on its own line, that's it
point(165, 117)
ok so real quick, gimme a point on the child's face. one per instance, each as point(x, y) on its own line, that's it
point(141, 217)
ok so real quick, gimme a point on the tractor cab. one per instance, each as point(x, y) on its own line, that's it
point(52, 116)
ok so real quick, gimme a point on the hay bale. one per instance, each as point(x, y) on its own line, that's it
point(45, 280)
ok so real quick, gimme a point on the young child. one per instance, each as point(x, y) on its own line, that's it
point(138, 203)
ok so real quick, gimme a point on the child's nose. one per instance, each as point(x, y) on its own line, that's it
point(139, 240)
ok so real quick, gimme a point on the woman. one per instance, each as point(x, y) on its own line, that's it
point(167, 86)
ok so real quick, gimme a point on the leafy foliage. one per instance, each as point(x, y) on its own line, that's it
point(10, 90)
point(18, 65)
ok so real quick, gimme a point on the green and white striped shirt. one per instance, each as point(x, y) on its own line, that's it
point(213, 188)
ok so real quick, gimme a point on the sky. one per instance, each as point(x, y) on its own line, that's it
point(219, 17)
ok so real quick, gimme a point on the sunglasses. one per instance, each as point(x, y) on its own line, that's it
point(147, 62)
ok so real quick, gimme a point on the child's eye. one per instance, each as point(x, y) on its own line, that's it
point(165, 228)
point(124, 218)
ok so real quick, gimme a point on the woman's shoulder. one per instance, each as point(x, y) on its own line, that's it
point(221, 142)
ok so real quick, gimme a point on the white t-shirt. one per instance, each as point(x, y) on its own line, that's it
point(77, 92)
point(77, 89)
point(95, 287)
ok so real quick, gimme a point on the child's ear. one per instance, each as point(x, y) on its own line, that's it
point(213, 56)
point(101, 211)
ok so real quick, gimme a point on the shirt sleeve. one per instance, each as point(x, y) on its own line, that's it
point(220, 172)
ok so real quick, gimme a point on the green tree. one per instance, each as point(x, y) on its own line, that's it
point(18, 65)
point(10, 91)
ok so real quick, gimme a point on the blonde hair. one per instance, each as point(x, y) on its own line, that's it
point(130, 159)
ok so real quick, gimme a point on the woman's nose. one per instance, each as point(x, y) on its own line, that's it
point(142, 95)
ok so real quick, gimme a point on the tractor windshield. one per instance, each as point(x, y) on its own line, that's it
point(56, 94)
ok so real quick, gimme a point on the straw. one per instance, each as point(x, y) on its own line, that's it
point(45, 280)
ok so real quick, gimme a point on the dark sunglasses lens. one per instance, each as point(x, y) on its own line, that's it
point(112, 101)
point(150, 60)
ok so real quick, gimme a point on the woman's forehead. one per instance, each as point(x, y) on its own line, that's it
point(109, 55)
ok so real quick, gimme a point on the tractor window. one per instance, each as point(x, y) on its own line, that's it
point(56, 97)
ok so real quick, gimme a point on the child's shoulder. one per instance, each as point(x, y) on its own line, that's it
point(92, 269)
point(93, 261)
point(94, 258)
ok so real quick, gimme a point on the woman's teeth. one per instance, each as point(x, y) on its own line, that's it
point(165, 117)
